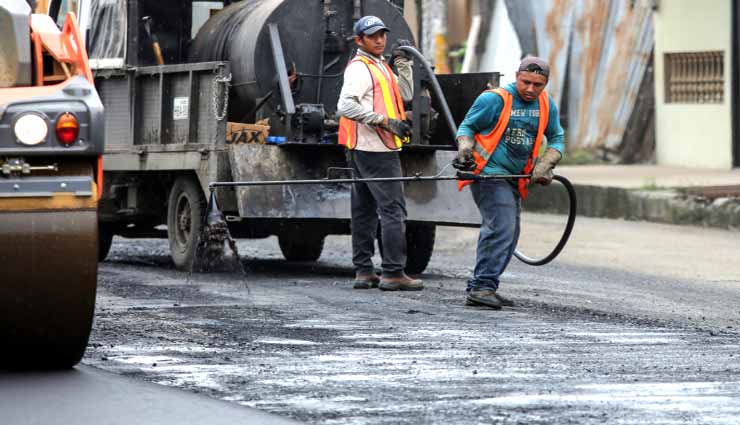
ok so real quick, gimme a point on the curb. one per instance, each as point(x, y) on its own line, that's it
point(659, 206)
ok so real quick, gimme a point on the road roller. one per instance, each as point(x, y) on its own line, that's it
point(51, 142)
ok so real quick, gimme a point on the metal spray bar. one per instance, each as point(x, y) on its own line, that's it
point(415, 178)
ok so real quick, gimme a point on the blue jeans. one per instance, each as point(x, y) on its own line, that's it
point(500, 207)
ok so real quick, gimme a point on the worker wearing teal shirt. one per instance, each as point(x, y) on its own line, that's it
point(499, 201)
point(513, 151)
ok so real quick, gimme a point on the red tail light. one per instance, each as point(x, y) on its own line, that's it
point(67, 128)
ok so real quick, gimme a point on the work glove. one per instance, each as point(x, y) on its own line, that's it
point(542, 173)
point(398, 53)
point(400, 128)
point(464, 160)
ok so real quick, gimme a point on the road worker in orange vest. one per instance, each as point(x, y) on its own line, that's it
point(373, 127)
point(503, 134)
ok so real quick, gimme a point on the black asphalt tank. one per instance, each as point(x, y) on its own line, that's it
point(317, 42)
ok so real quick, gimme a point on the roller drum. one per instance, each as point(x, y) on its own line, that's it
point(48, 256)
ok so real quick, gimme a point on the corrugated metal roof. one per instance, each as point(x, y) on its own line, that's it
point(601, 48)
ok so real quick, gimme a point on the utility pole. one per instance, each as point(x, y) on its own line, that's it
point(484, 9)
point(434, 33)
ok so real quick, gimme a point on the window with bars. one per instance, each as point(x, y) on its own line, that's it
point(695, 77)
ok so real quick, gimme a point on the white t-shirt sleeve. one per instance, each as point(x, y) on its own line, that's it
point(358, 86)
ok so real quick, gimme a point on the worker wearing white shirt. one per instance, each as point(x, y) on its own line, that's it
point(373, 127)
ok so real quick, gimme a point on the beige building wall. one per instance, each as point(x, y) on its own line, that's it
point(694, 135)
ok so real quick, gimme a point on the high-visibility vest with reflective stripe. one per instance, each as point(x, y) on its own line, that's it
point(485, 144)
point(387, 101)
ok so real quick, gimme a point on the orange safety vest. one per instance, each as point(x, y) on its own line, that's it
point(387, 101)
point(485, 144)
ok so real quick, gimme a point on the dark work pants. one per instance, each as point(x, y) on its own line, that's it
point(373, 200)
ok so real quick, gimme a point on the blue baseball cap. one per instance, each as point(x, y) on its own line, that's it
point(369, 25)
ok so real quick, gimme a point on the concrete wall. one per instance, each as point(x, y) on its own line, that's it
point(694, 135)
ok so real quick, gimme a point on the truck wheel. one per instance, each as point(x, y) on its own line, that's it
point(300, 248)
point(105, 239)
point(185, 209)
point(419, 246)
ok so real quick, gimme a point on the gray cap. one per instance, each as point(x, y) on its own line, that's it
point(536, 65)
point(369, 25)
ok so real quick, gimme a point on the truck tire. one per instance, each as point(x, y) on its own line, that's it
point(105, 240)
point(185, 210)
point(301, 248)
point(419, 246)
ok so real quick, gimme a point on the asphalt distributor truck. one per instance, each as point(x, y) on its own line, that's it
point(248, 92)
point(51, 142)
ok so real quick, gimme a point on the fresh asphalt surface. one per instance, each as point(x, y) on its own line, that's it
point(634, 323)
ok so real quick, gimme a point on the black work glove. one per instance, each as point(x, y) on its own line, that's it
point(400, 128)
point(396, 52)
point(464, 165)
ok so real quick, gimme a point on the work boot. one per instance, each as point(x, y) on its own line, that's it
point(365, 281)
point(506, 302)
point(402, 283)
point(484, 297)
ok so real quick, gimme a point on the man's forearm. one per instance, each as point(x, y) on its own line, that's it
point(405, 78)
point(557, 142)
point(350, 107)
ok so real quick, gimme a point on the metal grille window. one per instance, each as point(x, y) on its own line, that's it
point(696, 77)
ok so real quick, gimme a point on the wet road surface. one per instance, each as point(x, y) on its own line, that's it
point(587, 343)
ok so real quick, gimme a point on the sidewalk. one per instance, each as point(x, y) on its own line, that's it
point(675, 195)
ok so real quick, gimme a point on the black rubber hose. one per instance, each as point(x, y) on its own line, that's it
point(419, 178)
point(437, 91)
point(573, 206)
